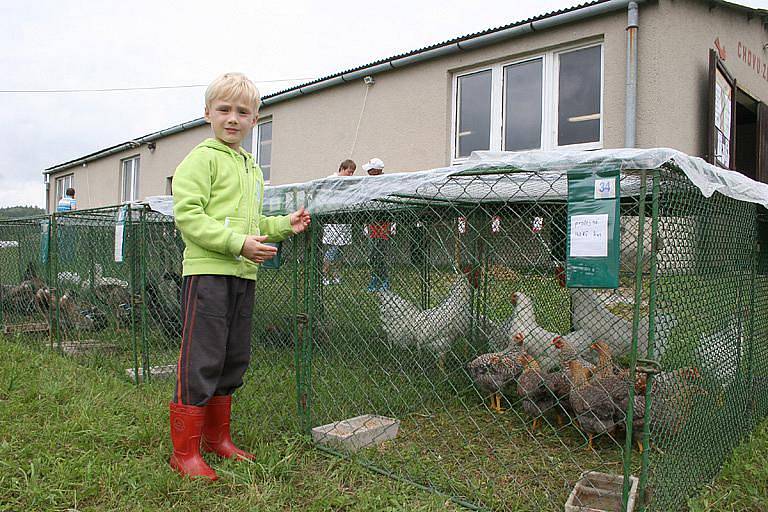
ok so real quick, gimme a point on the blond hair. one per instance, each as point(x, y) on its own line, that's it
point(230, 86)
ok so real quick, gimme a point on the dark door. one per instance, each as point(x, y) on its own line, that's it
point(721, 122)
point(762, 142)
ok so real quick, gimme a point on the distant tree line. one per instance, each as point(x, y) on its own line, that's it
point(15, 212)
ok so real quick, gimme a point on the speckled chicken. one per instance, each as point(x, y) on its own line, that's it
point(541, 393)
point(567, 353)
point(493, 372)
point(614, 379)
point(590, 403)
point(673, 394)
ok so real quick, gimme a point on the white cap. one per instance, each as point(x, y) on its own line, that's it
point(373, 163)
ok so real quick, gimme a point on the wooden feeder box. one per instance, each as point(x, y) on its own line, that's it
point(29, 327)
point(600, 492)
point(355, 433)
point(155, 372)
point(76, 348)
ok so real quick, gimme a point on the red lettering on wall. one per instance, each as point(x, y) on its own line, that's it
point(752, 60)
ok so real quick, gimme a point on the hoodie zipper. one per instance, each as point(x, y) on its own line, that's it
point(249, 197)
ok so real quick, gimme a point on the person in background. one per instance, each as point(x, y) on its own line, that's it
point(68, 202)
point(378, 236)
point(336, 236)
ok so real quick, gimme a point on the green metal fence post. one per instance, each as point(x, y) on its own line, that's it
point(309, 331)
point(142, 262)
point(635, 329)
point(650, 353)
point(296, 332)
point(130, 252)
point(751, 392)
point(53, 260)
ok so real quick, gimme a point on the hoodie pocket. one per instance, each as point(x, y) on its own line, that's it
point(237, 224)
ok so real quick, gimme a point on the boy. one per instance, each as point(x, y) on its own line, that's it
point(217, 194)
point(335, 236)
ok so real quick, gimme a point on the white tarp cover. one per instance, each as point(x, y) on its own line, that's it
point(337, 193)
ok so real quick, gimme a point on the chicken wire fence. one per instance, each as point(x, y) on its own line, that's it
point(429, 335)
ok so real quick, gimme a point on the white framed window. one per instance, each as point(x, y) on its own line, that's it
point(263, 145)
point(546, 101)
point(62, 184)
point(129, 179)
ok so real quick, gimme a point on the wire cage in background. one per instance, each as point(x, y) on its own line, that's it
point(423, 326)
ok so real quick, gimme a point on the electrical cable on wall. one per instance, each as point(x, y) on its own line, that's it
point(122, 89)
point(368, 81)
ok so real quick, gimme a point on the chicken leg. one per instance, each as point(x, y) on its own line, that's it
point(496, 403)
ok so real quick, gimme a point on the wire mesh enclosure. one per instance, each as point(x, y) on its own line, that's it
point(428, 327)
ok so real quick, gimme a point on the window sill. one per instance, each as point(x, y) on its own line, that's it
point(588, 146)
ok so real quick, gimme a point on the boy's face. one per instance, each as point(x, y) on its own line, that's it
point(231, 120)
point(346, 171)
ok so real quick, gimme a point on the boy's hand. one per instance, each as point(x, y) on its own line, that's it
point(256, 251)
point(300, 220)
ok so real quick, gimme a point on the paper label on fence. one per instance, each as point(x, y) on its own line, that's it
point(605, 188)
point(589, 236)
point(120, 233)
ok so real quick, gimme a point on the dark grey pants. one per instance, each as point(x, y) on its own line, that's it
point(216, 337)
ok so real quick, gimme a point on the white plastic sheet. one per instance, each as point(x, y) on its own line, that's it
point(336, 193)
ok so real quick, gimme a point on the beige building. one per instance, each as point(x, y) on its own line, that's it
point(686, 74)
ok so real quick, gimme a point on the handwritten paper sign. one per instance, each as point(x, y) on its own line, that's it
point(122, 213)
point(589, 236)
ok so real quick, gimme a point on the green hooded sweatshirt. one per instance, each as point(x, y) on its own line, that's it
point(217, 200)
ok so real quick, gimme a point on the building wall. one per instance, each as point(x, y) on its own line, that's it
point(673, 91)
point(407, 119)
point(98, 183)
point(407, 116)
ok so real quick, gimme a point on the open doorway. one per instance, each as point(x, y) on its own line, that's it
point(746, 134)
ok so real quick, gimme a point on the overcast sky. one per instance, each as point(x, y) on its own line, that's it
point(110, 44)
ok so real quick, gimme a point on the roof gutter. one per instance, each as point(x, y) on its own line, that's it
point(131, 144)
point(457, 47)
point(395, 63)
point(630, 110)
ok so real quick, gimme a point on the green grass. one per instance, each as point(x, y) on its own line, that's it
point(77, 438)
point(743, 482)
point(73, 437)
point(448, 439)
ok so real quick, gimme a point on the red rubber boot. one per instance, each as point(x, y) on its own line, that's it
point(216, 436)
point(186, 429)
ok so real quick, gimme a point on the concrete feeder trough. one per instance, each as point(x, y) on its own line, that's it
point(600, 492)
point(76, 348)
point(355, 433)
point(28, 327)
point(155, 372)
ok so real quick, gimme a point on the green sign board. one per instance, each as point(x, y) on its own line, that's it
point(593, 229)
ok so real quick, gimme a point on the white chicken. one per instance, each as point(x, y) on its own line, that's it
point(500, 336)
point(719, 352)
point(590, 314)
point(434, 329)
point(536, 340)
